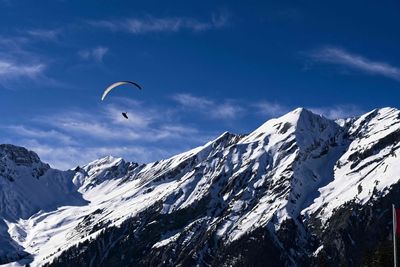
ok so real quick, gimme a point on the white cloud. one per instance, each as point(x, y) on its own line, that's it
point(11, 69)
point(333, 55)
point(149, 137)
point(138, 118)
point(271, 109)
point(145, 124)
point(226, 111)
point(108, 131)
point(341, 111)
point(68, 157)
point(150, 24)
point(78, 137)
point(40, 134)
point(338, 111)
point(13, 45)
point(17, 62)
point(44, 34)
point(191, 101)
point(108, 124)
point(152, 132)
point(97, 54)
point(213, 109)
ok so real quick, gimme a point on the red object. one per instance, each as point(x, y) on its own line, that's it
point(397, 221)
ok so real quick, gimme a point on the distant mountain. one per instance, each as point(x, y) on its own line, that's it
point(301, 190)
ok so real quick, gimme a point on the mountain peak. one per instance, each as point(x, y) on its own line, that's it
point(302, 113)
point(107, 160)
point(16, 161)
point(293, 123)
point(18, 155)
point(103, 165)
point(100, 170)
point(300, 110)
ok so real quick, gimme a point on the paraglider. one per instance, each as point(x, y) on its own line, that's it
point(112, 86)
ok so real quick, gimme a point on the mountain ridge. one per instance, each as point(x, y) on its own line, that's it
point(282, 183)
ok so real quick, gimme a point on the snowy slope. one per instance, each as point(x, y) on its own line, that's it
point(291, 170)
point(28, 186)
point(369, 165)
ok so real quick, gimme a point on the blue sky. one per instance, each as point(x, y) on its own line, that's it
point(206, 67)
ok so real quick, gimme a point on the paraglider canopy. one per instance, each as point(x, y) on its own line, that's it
point(112, 86)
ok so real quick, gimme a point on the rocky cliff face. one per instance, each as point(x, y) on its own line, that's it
point(301, 190)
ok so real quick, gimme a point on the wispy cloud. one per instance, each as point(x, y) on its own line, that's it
point(270, 109)
point(225, 109)
point(150, 24)
point(189, 100)
point(334, 55)
point(10, 69)
point(13, 44)
point(338, 111)
point(18, 62)
point(68, 156)
point(274, 109)
point(39, 134)
point(229, 110)
point(97, 54)
point(44, 34)
point(23, 60)
point(67, 138)
point(101, 127)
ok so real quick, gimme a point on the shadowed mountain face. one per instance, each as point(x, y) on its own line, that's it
point(300, 190)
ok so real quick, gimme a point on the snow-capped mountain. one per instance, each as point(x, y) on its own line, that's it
point(301, 190)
